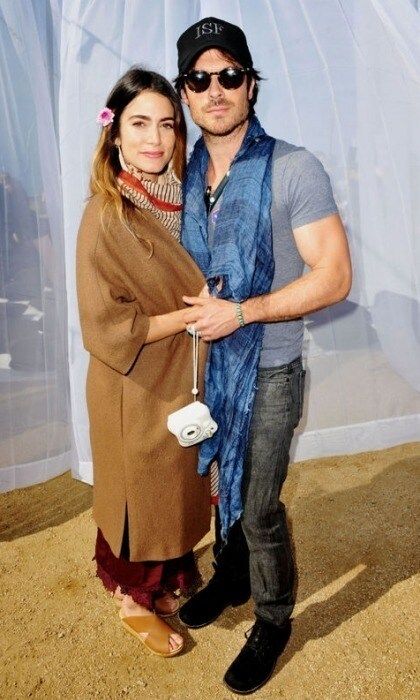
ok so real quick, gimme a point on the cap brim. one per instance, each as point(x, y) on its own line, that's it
point(213, 44)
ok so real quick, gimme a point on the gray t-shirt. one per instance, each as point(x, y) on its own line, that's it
point(301, 194)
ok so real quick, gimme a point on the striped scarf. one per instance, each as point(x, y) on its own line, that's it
point(162, 198)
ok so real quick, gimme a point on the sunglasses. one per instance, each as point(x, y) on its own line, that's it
point(229, 78)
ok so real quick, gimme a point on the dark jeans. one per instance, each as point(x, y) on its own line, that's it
point(258, 549)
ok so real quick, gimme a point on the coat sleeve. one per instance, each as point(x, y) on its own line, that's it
point(114, 328)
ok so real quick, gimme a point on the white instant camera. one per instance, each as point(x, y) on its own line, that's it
point(192, 424)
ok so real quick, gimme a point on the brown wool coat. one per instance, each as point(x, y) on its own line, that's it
point(131, 387)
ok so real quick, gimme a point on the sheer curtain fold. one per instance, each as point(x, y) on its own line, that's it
point(341, 78)
point(35, 436)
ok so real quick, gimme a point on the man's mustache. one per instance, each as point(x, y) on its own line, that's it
point(217, 103)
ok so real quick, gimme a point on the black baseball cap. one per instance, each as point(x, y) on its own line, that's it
point(209, 33)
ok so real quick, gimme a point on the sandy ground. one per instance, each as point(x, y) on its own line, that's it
point(354, 636)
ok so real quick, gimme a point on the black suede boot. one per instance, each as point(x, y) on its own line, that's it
point(206, 605)
point(255, 664)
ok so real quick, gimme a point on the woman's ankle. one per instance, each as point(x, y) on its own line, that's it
point(130, 605)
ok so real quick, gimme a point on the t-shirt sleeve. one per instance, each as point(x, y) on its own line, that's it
point(307, 188)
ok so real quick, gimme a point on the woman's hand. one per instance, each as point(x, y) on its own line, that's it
point(205, 292)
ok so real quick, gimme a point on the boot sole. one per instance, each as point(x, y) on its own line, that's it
point(257, 687)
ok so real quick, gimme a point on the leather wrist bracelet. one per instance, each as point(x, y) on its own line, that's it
point(239, 314)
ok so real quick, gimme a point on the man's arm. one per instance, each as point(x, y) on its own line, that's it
point(323, 246)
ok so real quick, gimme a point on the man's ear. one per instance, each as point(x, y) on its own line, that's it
point(251, 88)
point(184, 97)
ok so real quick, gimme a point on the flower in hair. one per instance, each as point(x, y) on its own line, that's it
point(105, 116)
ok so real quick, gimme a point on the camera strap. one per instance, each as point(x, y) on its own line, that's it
point(196, 340)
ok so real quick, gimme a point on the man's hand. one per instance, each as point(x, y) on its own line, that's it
point(214, 318)
point(323, 247)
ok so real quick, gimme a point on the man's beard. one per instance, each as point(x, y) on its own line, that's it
point(222, 130)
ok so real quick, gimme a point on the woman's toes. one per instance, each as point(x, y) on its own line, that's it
point(175, 641)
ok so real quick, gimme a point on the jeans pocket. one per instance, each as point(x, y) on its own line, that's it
point(298, 390)
point(302, 375)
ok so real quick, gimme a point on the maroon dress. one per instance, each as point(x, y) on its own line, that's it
point(144, 581)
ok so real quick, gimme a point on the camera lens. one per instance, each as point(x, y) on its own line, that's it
point(191, 432)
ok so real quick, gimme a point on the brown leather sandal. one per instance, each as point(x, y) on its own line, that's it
point(158, 633)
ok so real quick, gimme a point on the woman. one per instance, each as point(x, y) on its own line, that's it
point(150, 505)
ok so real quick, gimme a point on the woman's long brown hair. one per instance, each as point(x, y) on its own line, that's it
point(106, 164)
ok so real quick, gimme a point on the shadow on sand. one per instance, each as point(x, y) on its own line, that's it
point(370, 528)
point(26, 511)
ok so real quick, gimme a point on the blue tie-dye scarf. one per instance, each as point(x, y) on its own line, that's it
point(242, 257)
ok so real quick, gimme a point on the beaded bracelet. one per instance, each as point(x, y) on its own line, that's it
point(239, 314)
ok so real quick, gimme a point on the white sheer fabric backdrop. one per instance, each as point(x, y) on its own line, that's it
point(342, 78)
point(35, 427)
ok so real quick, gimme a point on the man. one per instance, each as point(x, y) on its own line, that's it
point(256, 210)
